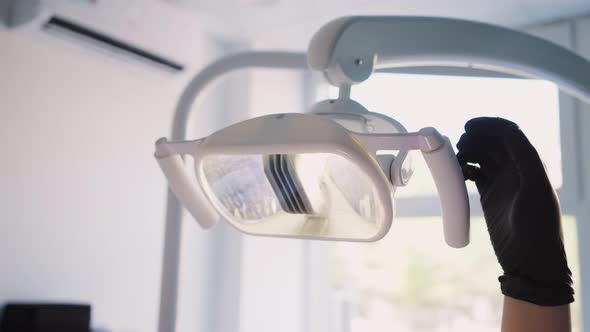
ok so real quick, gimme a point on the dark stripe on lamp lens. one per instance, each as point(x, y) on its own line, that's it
point(283, 181)
point(296, 196)
point(279, 186)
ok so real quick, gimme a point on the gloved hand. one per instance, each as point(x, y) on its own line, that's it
point(520, 208)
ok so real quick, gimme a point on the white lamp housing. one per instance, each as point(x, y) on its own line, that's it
point(334, 189)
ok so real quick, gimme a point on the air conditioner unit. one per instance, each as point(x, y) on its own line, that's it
point(98, 27)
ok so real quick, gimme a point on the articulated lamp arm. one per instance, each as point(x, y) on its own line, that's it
point(348, 50)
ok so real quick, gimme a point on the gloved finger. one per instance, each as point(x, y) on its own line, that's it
point(475, 174)
point(472, 167)
point(466, 158)
point(487, 126)
point(471, 172)
point(488, 152)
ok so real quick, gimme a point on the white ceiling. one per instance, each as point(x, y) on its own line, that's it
point(289, 22)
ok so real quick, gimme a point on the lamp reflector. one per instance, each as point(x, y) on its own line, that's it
point(303, 194)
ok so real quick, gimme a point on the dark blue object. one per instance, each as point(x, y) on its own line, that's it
point(45, 318)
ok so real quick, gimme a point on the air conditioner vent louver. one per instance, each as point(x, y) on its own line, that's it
point(73, 30)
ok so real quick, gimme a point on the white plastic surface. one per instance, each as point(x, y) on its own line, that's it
point(300, 134)
point(187, 191)
point(355, 117)
point(446, 172)
point(323, 42)
point(454, 199)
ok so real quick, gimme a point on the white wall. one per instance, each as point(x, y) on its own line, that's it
point(81, 197)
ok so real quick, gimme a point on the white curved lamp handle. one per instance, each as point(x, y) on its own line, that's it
point(349, 49)
point(450, 184)
point(168, 155)
point(444, 167)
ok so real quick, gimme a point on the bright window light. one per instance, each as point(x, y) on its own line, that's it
point(411, 281)
point(447, 102)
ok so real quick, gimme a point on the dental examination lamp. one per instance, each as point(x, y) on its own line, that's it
point(330, 173)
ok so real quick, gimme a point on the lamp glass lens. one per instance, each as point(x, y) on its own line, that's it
point(318, 195)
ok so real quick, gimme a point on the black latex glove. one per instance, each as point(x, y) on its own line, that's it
point(520, 208)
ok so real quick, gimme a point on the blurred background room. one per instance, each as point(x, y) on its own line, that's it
point(87, 86)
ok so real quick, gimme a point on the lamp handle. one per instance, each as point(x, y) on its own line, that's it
point(450, 184)
point(168, 155)
point(444, 167)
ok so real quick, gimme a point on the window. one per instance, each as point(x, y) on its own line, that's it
point(410, 280)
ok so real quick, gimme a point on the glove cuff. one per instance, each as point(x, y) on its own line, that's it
point(536, 293)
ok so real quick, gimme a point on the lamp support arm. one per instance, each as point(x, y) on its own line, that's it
point(348, 50)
